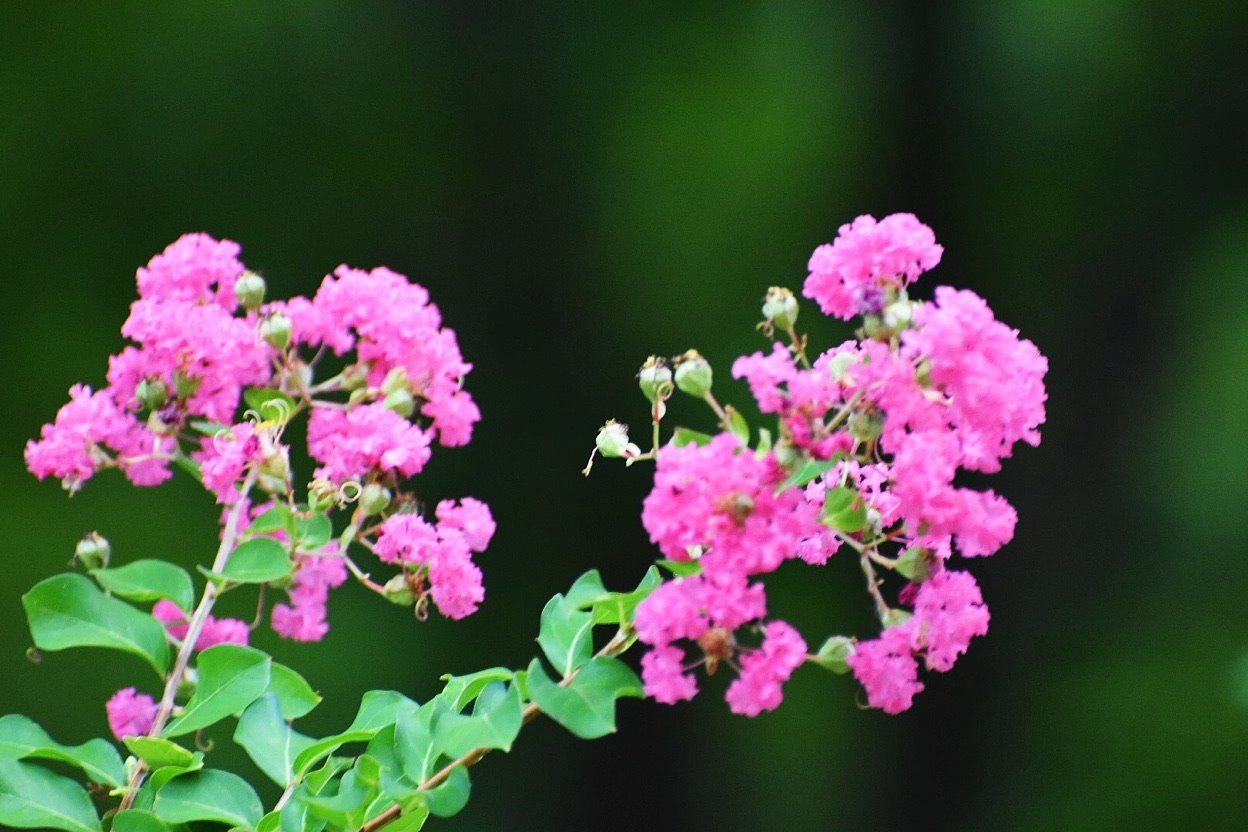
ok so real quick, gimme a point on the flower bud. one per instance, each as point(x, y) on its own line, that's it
point(655, 379)
point(92, 551)
point(780, 308)
point(833, 653)
point(401, 402)
point(152, 393)
point(249, 290)
point(866, 427)
point(276, 330)
point(322, 495)
point(185, 385)
point(693, 374)
point(187, 685)
point(399, 592)
point(355, 377)
point(374, 499)
point(613, 441)
point(395, 380)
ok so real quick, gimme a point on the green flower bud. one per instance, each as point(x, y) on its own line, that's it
point(833, 653)
point(401, 402)
point(866, 427)
point(780, 308)
point(322, 495)
point(395, 380)
point(693, 374)
point(398, 591)
point(92, 551)
point(374, 499)
point(355, 377)
point(276, 330)
point(187, 685)
point(249, 290)
point(613, 441)
point(152, 393)
point(655, 379)
point(185, 385)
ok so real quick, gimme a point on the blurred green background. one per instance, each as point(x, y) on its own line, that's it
point(582, 184)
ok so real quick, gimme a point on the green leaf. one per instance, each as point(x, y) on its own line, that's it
point(566, 634)
point(413, 744)
point(275, 519)
point(158, 753)
point(209, 795)
point(138, 820)
point(294, 694)
point(681, 568)
point(737, 425)
point(412, 820)
point(312, 533)
point(449, 797)
point(913, 564)
point(378, 708)
point(617, 607)
point(258, 398)
point(812, 470)
point(832, 654)
point(495, 721)
point(257, 561)
point(684, 436)
point(231, 676)
point(270, 742)
point(586, 705)
point(353, 794)
point(21, 738)
point(149, 580)
point(460, 690)
point(31, 797)
point(207, 428)
point(68, 610)
point(844, 509)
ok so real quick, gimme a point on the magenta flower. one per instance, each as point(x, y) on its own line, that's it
point(194, 268)
point(365, 439)
point(454, 580)
point(950, 611)
point(304, 619)
point(887, 669)
point(856, 272)
point(664, 678)
point(215, 631)
point(130, 714)
point(765, 670)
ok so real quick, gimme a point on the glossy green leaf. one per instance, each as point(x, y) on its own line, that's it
point(737, 425)
point(832, 654)
point(617, 607)
point(267, 738)
point(449, 797)
point(294, 694)
point(158, 753)
point(378, 708)
point(278, 518)
point(149, 580)
point(68, 610)
point(31, 797)
point(566, 634)
point(344, 807)
point(257, 561)
point(231, 676)
point(392, 780)
point(312, 533)
point(913, 564)
point(209, 795)
point(585, 706)
point(412, 820)
point(684, 436)
point(413, 744)
point(681, 568)
point(844, 509)
point(495, 721)
point(811, 470)
point(460, 690)
point(138, 820)
point(21, 738)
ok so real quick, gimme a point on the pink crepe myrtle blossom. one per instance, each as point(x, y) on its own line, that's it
point(868, 260)
point(365, 439)
point(765, 670)
point(664, 677)
point(130, 714)
point(444, 550)
point(887, 669)
point(305, 618)
point(194, 268)
point(950, 611)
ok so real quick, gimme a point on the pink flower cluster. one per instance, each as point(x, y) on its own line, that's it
point(441, 554)
point(215, 630)
point(928, 389)
point(304, 619)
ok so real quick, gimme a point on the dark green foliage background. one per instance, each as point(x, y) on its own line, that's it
point(582, 184)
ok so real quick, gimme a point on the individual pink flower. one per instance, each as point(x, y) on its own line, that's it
point(765, 670)
point(950, 611)
point(471, 517)
point(887, 669)
point(130, 714)
point(664, 678)
point(304, 619)
point(214, 631)
point(363, 439)
point(868, 261)
point(454, 580)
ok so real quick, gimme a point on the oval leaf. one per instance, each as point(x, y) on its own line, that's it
point(31, 797)
point(271, 743)
point(294, 694)
point(257, 561)
point(231, 676)
point(149, 580)
point(158, 753)
point(68, 610)
point(495, 721)
point(586, 705)
point(136, 820)
point(21, 737)
point(448, 798)
point(209, 795)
